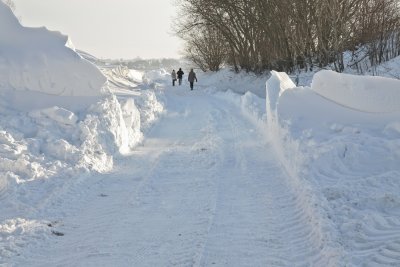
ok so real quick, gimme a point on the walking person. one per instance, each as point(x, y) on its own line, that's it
point(191, 78)
point(173, 76)
point(297, 80)
point(180, 75)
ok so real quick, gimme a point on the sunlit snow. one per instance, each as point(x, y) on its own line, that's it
point(102, 165)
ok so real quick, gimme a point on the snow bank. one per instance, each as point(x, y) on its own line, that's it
point(13, 234)
point(252, 106)
point(227, 80)
point(119, 76)
point(343, 160)
point(38, 60)
point(57, 125)
point(364, 93)
point(278, 84)
point(136, 75)
point(49, 141)
point(46, 151)
point(156, 79)
point(291, 154)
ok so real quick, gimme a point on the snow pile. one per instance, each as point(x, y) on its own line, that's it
point(356, 63)
point(35, 59)
point(55, 142)
point(345, 160)
point(16, 232)
point(45, 152)
point(277, 85)
point(135, 76)
point(252, 106)
point(119, 76)
point(57, 123)
point(150, 107)
point(364, 93)
point(156, 79)
point(227, 80)
point(390, 69)
point(307, 198)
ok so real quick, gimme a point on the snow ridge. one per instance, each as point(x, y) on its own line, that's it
point(364, 93)
point(59, 124)
point(344, 162)
point(38, 60)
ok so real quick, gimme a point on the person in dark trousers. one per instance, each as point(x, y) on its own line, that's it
point(173, 76)
point(191, 78)
point(180, 75)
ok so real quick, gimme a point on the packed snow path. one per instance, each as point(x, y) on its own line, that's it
point(204, 189)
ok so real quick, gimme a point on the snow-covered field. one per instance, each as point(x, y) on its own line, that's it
point(111, 166)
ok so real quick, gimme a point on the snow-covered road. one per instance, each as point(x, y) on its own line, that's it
point(204, 189)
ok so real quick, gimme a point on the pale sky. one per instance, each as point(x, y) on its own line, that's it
point(108, 28)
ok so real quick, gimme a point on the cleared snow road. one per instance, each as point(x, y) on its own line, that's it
point(205, 189)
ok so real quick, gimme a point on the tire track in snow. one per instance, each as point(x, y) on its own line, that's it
point(371, 236)
point(211, 194)
point(163, 212)
point(257, 216)
point(368, 224)
point(197, 166)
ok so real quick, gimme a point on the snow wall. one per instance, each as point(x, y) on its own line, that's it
point(277, 84)
point(278, 87)
point(59, 119)
point(43, 61)
point(339, 141)
point(334, 98)
point(364, 93)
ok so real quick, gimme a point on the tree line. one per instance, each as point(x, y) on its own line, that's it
point(286, 35)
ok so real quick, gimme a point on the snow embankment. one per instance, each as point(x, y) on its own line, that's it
point(364, 93)
point(344, 159)
point(277, 84)
point(119, 76)
point(39, 61)
point(228, 80)
point(59, 122)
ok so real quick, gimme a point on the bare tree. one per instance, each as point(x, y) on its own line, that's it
point(290, 34)
point(206, 49)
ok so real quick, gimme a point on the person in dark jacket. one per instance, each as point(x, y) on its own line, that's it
point(180, 75)
point(191, 78)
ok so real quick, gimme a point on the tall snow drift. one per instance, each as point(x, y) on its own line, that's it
point(339, 141)
point(276, 85)
point(363, 93)
point(36, 59)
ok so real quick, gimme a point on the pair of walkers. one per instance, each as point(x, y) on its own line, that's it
point(179, 75)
